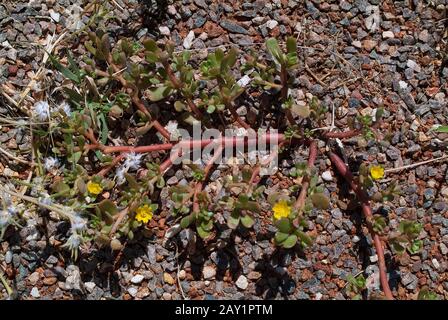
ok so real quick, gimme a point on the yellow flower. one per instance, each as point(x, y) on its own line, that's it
point(281, 210)
point(144, 213)
point(377, 172)
point(94, 188)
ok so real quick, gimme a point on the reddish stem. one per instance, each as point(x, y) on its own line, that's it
point(284, 81)
point(150, 148)
point(345, 134)
point(305, 183)
point(187, 144)
point(366, 209)
point(135, 99)
point(169, 162)
point(89, 135)
point(236, 116)
point(179, 86)
point(191, 144)
point(194, 108)
point(284, 92)
point(256, 171)
point(115, 161)
point(207, 169)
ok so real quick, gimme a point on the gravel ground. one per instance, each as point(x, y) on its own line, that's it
point(359, 54)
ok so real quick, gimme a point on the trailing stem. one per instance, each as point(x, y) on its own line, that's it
point(179, 86)
point(256, 171)
point(182, 146)
point(367, 211)
point(136, 100)
point(345, 134)
point(190, 144)
point(284, 92)
point(236, 117)
point(199, 185)
point(306, 182)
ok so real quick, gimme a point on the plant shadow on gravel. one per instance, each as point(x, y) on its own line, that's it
point(99, 265)
point(153, 12)
point(274, 279)
point(353, 211)
point(225, 257)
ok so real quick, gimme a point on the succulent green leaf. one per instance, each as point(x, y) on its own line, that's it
point(320, 201)
point(275, 51)
point(159, 93)
point(247, 174)
point(207, 225)
point(410, 228)
point(160, 182)
point(150, 45)
point(186, 221)
point(442, 129)
point(211, 109)
point(108, 206)
point(60, 187)
point(284, 225)
point(247, 221)
point(280, 237)
point(229, 60)
point(90, 48)
point(398, 247)
point(425, 294)
point(201, 232)
point(416, 246)
point(74, 157)
point(305, 240)
point(179, 106)
point(233, 220)
point(290, 242)
point(132, 181)
point(301, 111)
point(151, 57)
point(291, 45)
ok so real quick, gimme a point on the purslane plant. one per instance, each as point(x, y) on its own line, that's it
point(113, 186)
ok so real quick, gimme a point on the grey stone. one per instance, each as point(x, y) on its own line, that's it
point(35, 292)
point(8, 257)
point(424, 36)
point(311, 283)
point(133, 291)
point(73, 280)
point(137, 279)
point(336, 213)
point(151, 252)
point(89, 286)
point(337, 234)
point(52, 260)
point(199, 21)
point(344, 5)
point(326, 176)
point(393, 153)
point(209, 272)
point(409, 280)
point(233, 27)
point(33, 278)
point(408, 40)
point(443, 249)
point(242, 282)
point(188, 41)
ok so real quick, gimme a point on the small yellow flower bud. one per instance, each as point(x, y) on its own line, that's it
point(281, 210)
point(94, 188)
point(377, 172)
point(144, 213)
